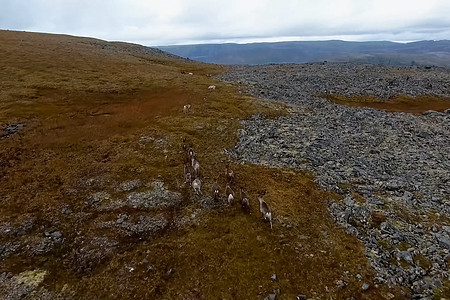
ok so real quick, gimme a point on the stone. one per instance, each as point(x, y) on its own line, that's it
point(11, 129)
point(57, 235)
point(443, 241)
point(376, 200)
point(446, 229)
point(407, 196)
point(437, 283)
point(361, 214)
point(393, 185)
point(341, 283)
point(406, 256)
point(96, 198)
point(347, 214)
point(349, 201)
point(424, 134)
point(365, 286)
point(128, 185)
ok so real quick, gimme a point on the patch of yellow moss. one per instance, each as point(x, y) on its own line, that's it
point(31, 278)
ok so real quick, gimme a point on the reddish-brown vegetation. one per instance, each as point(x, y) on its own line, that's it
point(97, 114)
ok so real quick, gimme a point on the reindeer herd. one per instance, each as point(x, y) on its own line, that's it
point(192, 177)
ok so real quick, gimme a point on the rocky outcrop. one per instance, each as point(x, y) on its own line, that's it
point(288, 82)
point(393, 169)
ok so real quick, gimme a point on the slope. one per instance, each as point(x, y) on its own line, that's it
point(92, 197)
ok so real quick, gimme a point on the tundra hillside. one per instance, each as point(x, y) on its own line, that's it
point(93, 199)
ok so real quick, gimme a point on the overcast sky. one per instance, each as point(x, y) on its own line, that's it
point(166, 22)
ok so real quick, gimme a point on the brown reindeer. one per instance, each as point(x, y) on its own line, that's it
point(187, 174)
point(245, 203)
point(196, 166)
point(229, 173)
point(184, 146)
point(191, 152)
point(216, 190)
point(265, 210)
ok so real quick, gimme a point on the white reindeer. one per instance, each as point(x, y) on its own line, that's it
point(211, 87)
point(230, 194)
point(196, 185)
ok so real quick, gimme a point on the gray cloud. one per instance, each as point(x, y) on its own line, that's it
point(176, 21)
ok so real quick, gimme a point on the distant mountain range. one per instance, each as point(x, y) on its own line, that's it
point(385, 53)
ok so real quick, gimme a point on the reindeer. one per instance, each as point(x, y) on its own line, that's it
point(184, 146)
point(186, 108)
point(216, 190)
point(229, 173)
point(191, 152)
point(230, 194)
point(265, 210)
point(196, 166)
point(245, 203)
point(187, 174)
point(196, 185)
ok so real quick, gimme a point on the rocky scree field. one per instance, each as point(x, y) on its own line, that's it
point(390, 165)
point(93, 202)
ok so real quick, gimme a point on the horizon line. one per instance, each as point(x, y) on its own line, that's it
point(237, 40)
point(294, 41)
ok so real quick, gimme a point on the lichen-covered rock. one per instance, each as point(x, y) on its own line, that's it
point(142, 225)
point(159, 197)
point(127, 186)
point(90, 252)
point(22, 285)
